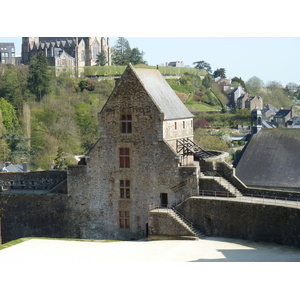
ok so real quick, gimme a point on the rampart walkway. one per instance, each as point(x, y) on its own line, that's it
point(256, 200)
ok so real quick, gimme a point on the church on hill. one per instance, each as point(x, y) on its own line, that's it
point(66, 52)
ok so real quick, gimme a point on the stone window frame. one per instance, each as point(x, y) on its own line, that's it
point(126, 123)
point(124, 189)
point(124, 219)
point(124, 158)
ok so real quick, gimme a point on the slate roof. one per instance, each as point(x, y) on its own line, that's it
point(271, 159)
point(282, 113)
point(11, 168)
point(295, 121)
point(162, 94)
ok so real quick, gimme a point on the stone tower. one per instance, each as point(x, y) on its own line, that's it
point(256, 121)
point(27, 46)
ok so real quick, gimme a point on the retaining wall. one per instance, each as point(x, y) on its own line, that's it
point(28, 215)
point(257, 222)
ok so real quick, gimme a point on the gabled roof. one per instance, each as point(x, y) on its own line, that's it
point(271, 159)
point(282, 113)
point(162, 94)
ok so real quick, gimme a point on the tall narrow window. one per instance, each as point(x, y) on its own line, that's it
point(124, 155)
point(124, 219)
point(126, 124)
point(183, 124)
point(124, 189)
point(96, 50)
point(175, 125)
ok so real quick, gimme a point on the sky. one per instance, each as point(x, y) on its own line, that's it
point(247, 39)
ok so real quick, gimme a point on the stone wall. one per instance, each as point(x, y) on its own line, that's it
point(163, 226)
point(33, 215)
point(266, 223)
point(44, 180)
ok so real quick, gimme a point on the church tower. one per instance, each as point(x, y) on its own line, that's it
point(27, 45)
point(256, 121)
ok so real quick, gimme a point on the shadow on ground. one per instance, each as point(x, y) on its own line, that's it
point(253, 252)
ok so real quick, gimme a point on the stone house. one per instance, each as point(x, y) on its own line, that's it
point(237, 93)
point(240, 102)
point(178, 64)
point(250, 102)
point(282, 116)
point(135, 162)
point(269, 111)
point(254, 102)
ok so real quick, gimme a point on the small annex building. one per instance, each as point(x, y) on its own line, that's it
point(271, 160)
point(134, 164)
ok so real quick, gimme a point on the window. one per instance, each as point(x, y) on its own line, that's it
point(124, 219)
point(96, 50)
point(126, 124)
point(124, 158)
point(175, 125)
point(183, 124)
point(125, 189)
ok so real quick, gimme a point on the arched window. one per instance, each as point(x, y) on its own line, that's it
point(259, 121)
point(96, 50)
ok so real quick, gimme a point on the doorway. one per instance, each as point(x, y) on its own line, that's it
point(164, 200)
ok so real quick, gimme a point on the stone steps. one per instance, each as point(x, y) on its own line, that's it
point(234, 192)
point(183, 220)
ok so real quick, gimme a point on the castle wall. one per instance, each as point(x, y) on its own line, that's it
point(264, 223)
point(44, 180)
point(33, 215)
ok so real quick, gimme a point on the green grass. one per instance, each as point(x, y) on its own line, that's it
point(200, 106)
point(12, 243)
point(118, 70)
point(21, 240)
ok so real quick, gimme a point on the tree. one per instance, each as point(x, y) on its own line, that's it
point(136, 57)
point(101, 59)
point(13, 85)
point(207, 81)
point(86, 84)
point(202, 65)
point(220, 73)
point(39, 80)
point(238, 81)
point(254, 85)
point(121, 52)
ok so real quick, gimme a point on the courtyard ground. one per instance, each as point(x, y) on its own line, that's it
point(85, 270)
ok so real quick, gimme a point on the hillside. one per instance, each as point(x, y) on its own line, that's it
point(61, 123)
